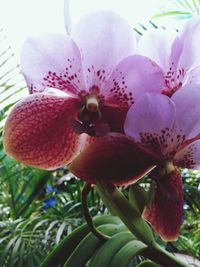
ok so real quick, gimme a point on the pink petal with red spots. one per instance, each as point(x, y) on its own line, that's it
point(132, 77)
point(166, 48)
point(113, 157)
point(150, 121)
point(188, 110)
point(52, 60)
point(99, 37)
point(189, 156)
point(165, 211)
point(34, 87)
point(37, 131)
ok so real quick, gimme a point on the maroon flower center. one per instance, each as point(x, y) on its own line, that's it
point(88, 119)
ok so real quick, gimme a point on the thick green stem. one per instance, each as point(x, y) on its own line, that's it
point(122, 208)
point(134, 222)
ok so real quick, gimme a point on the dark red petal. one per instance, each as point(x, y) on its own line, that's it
point(165, 211)
point(114, 157)
point(114, 117)
point(37, 131)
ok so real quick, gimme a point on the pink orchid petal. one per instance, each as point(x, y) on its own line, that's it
point(188, 110)
point(166, 48)
point(131, 78)
point(190, 37)
point(151, 121)
point(189, 156)
point(157, 45)
point(114, 157)
point(34, 87)
point(165, 211)
point(37, 131)
point(99, 37)
point(192, 76)
point(52, 60)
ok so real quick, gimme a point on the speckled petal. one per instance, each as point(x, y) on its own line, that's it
point(52, 60)
point(189, 156)
point(37, 131)
point(188, 110)
point(131, 78)
point(114, 157)
point(99, 37)
point(165, 211)
point(150, 121)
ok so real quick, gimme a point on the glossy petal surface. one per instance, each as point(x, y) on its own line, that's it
point(150, 121)
point(114, 157)
point(52, 60)
point(165, 211)
point(157, 45)
point(188, 110)
point(99, 37)
point(131, 78)
point(37, 131)
point(190, 36)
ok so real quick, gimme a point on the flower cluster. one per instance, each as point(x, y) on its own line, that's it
point(113, 108)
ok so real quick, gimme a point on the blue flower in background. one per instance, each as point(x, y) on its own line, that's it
point(49, 203)
point(48, 189)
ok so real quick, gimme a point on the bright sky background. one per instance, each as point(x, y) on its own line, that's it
point(20, 18)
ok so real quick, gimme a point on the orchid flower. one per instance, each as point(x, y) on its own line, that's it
point(82, 83)
point(176, 53)
point(161, 132)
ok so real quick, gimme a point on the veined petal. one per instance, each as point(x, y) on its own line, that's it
point(52, 60)
point(165, 47)
point(157, 45)
point(188, 110)
point(165, 211)
point(190, 37)
point(113, 157)
point(189, 156)
point(150, 121)
point(37, 131)
point(131, 78)
point(99, 37)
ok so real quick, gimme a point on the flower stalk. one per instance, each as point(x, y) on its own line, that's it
point(85, 191)
point(134, 222)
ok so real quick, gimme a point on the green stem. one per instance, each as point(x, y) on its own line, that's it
point(122, 208)
point(134, 222)
point(85, 191)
